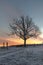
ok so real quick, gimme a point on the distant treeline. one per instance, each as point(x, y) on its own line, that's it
point(26, 45)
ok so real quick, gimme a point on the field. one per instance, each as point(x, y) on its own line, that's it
point(30, 55)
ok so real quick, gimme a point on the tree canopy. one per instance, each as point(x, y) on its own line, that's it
point(25, 28)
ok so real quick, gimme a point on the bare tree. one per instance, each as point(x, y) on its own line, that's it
point(24, 28)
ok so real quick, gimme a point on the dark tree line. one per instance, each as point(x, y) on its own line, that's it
point(25, 28)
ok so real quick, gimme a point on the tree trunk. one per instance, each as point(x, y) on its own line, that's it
point(24, 42)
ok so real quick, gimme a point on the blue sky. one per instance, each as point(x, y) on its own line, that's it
point(9, 9)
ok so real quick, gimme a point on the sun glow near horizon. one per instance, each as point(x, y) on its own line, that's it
point(18, 41)
point(29, 41)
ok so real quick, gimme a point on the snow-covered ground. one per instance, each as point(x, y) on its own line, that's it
point(22, 56)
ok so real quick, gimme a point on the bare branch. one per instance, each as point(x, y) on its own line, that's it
point(24, 28)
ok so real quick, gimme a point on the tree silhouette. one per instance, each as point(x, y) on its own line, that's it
point(24, 28)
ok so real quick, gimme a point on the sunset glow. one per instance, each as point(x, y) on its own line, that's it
point(18, 41)
point(41, 35)
point(10, 9)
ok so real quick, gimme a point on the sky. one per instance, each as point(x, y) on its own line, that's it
point(9, 9)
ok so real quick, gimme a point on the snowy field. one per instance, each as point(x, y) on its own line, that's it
point(31, 55)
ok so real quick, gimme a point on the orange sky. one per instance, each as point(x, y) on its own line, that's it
point(16, 41)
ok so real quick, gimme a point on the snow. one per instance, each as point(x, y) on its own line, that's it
point(31, 55)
